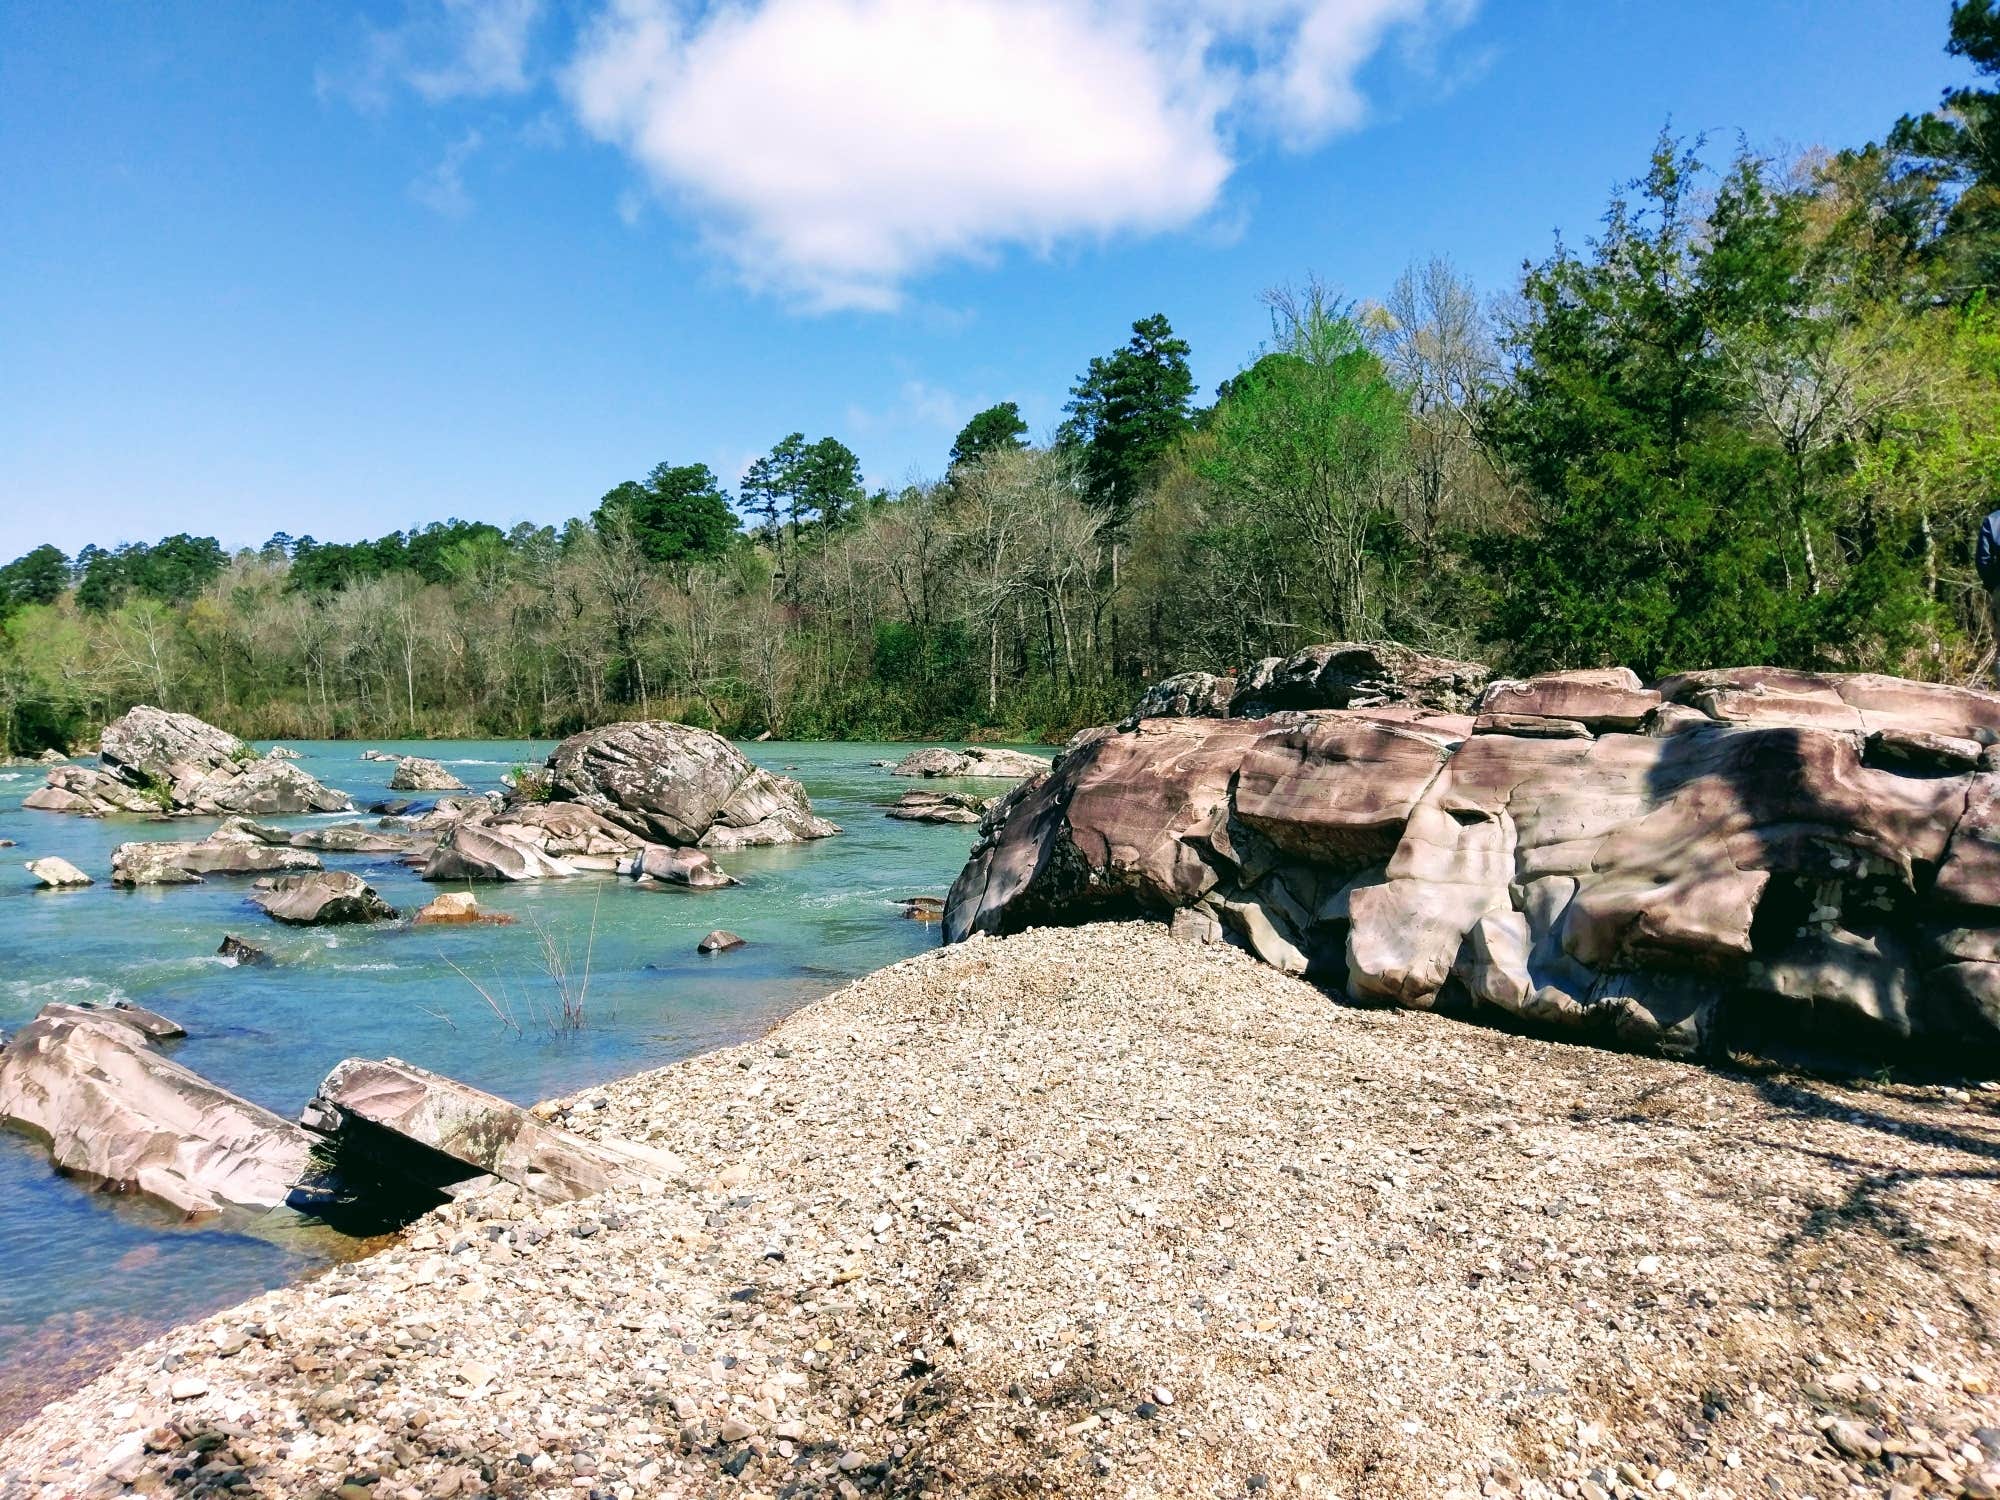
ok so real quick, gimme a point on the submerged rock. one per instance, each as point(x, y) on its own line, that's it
point(57, 873)
point(117, 1114)
point(979, 762)
point(417, 773)
point(326, 899)
point(1725, 855)
point(923, 908)
point(675, 784)
point(722, 940)
point(427, 1126)
point(241, 953)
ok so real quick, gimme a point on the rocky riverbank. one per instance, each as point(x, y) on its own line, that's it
point(1099, 1211)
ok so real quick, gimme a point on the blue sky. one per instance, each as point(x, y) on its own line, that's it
point(343, 270)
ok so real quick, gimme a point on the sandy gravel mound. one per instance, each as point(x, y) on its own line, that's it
point(1096, 1212)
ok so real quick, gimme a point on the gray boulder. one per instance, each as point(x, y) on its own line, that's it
point(90, 793)
point(475, 851)
point(674, 784)
point(1355, 674)
point(671, 866)
point(722, 940)
point(979, 762)
point(416, 773)
point(1187, 695)
point(57, 873)
point(221, 853)
point(325, 899)
point(155, 761)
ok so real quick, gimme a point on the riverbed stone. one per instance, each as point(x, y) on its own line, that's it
point(56, 873)
point(417, 773)
point(328, 898)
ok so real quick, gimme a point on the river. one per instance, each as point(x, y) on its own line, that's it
point(84, 1274)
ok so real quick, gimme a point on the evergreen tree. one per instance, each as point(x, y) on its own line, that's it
point(1126, 412)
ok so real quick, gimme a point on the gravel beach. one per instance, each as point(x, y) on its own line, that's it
point(1094, 1211)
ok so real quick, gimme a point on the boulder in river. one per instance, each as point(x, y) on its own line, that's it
point(118, 1115)
point(151, 760)
point(671, 866)
point(417, 773)
point(56, 873)
point(1791, 861)
point(324, 899)
point(938, 807)
point(282, 752)
point(978, 762)
point(567, 831)
point(220, 854)
point(240, 953)
point(428, 1127)
point(473, 851)
point(722, 940)
point(91, 793)
point(675, 784)
point(1187, 695)
point(457, 909)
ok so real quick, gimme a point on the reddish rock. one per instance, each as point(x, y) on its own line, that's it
point(1775, 847)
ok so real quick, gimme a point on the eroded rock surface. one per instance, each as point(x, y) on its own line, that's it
point(1730, 858)
point(937, 807)
point(325, 899)
point(119, 1115)
point(675, 784)
point(155, 761)
point(978, 762)
point(392, 1102)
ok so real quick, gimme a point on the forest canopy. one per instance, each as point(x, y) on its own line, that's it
point(1754, 418)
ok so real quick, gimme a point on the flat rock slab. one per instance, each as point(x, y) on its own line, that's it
point(57, 873)
point(118, 1115)
point(483, 1133)
point(978, 762)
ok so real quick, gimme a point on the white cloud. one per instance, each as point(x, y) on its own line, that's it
point(441, 188)
point(442, 49)
point(833, 149)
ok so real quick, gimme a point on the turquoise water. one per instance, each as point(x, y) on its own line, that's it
point(81, 1271)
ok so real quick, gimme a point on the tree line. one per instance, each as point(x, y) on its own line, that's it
point(1754, 418)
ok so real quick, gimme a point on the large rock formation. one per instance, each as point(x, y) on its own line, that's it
point(673, 784)
point(473, 851)
point(155, 761)
point(979, 763)
point(118, 1115)
point(1751, 856)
